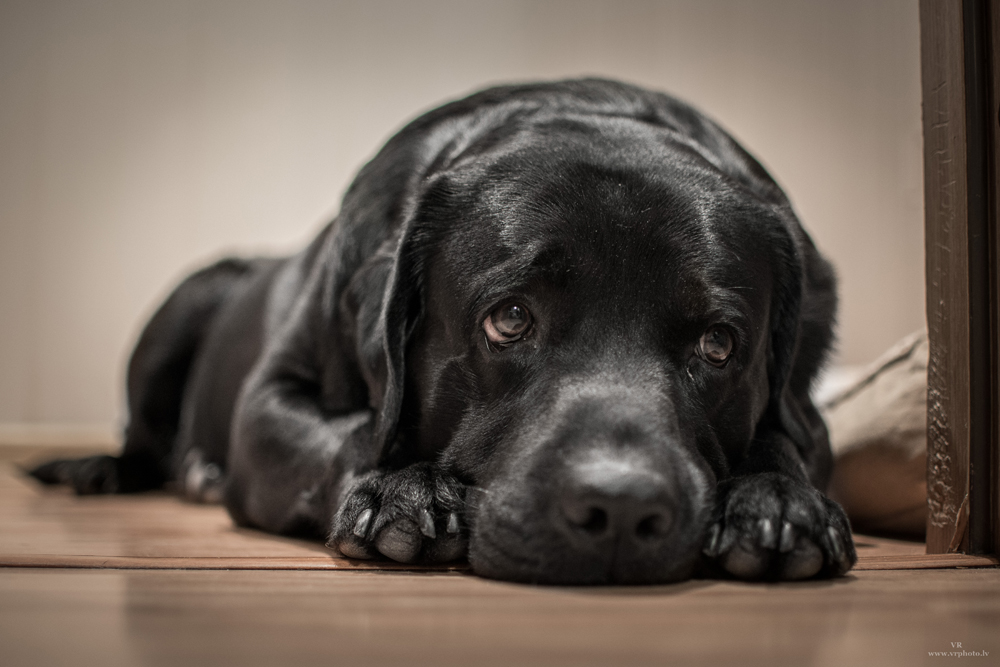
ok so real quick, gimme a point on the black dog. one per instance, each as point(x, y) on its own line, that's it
point(568, 329)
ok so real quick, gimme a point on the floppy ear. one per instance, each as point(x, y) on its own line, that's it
point(385, 297)
point(801, 333)
point(786, 306)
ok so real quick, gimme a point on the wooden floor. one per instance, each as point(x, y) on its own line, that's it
point(150, 580)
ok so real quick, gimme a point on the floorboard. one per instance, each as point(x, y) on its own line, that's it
point(150, 580)
point(51, 527)
point(250, 618)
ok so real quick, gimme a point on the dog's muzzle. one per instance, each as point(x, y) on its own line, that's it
point(607, 496)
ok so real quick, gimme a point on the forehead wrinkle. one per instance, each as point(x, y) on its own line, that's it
point(514, 274)
point(739, 270)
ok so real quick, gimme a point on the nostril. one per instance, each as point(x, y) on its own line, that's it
point(596, 522)
point(653, 526)
point(586, 516)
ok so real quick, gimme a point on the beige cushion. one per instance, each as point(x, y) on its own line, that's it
point(878, 432)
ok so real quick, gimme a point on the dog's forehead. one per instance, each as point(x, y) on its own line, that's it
point(643, 216)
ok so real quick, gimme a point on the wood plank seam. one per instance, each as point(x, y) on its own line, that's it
point(877, 562)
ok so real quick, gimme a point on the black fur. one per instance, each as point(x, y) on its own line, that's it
point(351, 392)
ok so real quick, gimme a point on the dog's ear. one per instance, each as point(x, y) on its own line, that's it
point(384, 301)
point(786, 306)
point(799, 342)
point(801, 336)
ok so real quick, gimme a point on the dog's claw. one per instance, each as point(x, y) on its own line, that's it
point(787, 542)
point(452, 526)
point(768, 537)
point(834, 537)
point(837, 547)
point(711, 548)
point(427, 524)
point(364, 520)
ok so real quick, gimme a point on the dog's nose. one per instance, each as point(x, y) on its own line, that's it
point(606, 499)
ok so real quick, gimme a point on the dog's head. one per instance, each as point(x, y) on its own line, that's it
point(586, 321)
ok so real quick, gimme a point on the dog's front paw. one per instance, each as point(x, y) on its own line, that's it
point(770, 526)
point(410, 515)
point(87, 476)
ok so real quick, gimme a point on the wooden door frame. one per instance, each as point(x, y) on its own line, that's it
point(960, 72)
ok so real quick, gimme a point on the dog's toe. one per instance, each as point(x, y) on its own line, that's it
point(803, 562)
point(353, 549)
point(745, 563)
point(401, 541)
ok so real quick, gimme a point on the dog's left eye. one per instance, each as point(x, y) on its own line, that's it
point(507, 324)
point(716, 345)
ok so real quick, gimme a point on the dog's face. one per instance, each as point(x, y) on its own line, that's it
point(594, 348)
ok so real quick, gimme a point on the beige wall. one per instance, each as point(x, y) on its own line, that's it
point(139, 139)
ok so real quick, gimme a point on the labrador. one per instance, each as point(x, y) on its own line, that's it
point(567, 330)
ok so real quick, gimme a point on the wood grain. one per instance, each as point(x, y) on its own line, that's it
point(245, 619)
point(871, 561)
point(331, 562)
point(946, 239)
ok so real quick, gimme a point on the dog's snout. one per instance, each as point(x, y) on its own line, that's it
point(611, 500)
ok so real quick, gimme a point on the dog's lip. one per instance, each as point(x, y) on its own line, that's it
point(509, 566)
point(508, 556)
point(499, 550)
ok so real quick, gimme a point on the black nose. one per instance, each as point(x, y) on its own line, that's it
point(608, 500)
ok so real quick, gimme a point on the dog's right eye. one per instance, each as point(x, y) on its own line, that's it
point(716, 346)
point(507, 324)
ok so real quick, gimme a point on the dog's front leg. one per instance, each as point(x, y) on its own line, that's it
point(295, 469)
point(772, 523)
point(288, 461)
